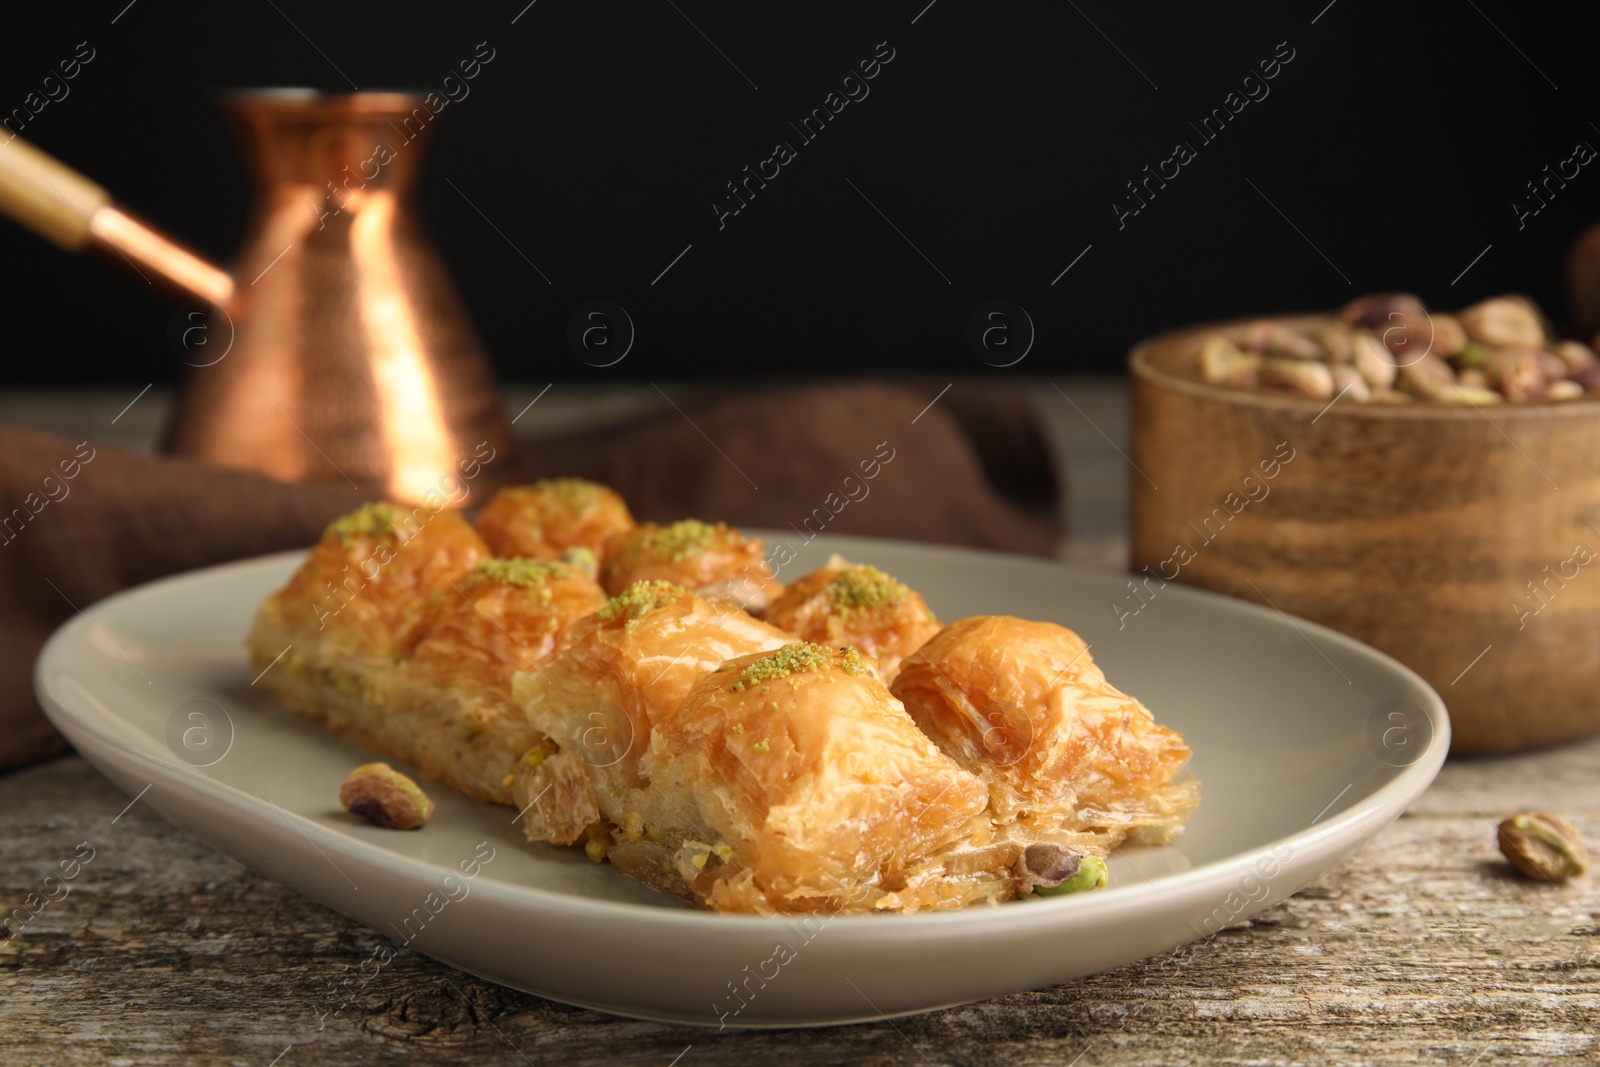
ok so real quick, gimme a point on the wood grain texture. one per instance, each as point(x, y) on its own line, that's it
point(1464, 542)
point(1421, 948)
point(46, 195)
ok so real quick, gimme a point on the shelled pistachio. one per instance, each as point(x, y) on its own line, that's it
point(1543, 846)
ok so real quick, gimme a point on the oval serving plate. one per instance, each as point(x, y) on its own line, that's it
point(1306, 743)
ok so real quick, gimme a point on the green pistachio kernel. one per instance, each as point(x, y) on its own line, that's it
point(639, 599)
point(528, 573)
point(802, 658)
point(1091, 875)
point(670, 544)
point(864, 588)
point(369, 520)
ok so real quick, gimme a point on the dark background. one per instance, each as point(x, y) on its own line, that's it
point(996, 141)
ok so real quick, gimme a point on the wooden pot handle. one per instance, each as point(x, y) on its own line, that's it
point(47, 196)
point(57, 202)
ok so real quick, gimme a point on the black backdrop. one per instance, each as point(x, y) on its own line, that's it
point(995, 141)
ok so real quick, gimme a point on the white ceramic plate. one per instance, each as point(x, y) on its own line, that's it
point(1307, 743)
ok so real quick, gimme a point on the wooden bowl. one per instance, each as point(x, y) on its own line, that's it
point(1463, 541)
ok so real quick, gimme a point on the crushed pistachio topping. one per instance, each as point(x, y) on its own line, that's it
point(762, 746)
point(581, 558)
point(346, 682)
point(781, 664)
point(802, 658)
point(670, 544)
point(551, 498)
point(369, 520)
point(738, 727)
point(573, 492)
point(536, 755)
point(864, 588)
point(528, 573)
point(639, 599)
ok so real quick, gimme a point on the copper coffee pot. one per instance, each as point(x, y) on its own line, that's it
point(338, 348)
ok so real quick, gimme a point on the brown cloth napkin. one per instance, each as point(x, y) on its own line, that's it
point(81, 522)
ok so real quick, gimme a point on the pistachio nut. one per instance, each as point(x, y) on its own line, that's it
point(582, 559)
point(1382, 310)
point(1517, 373)
point(1372, 359)
point(1502, 321)
point(1588, 377)
point(1388, 348)
point(1275, 339)
point(1449, 337)
point(1542, 845)
point(1555, 368)
point(1576, 355)
point(385, 797)
point(1467, 394)
point(1412, 336)
point(1426, 378)
point(1336, 342)
point(1303, 376)
point(1091, 875)
point(1347, 381)
point(1049, 869)
point(1222, 363)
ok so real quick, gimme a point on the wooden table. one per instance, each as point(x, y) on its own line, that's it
point(1422, 948)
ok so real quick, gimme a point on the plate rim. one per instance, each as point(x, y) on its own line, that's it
point(1351, 824)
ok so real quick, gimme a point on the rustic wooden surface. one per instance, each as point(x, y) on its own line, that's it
point(1420, 949)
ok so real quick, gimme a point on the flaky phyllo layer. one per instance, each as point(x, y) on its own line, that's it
point(766, 766)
